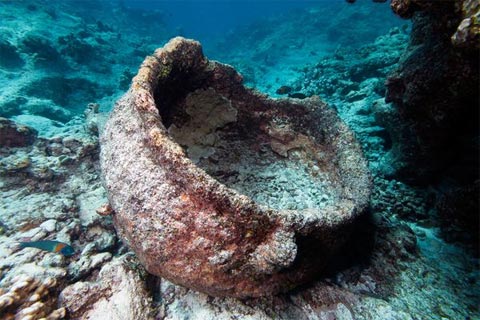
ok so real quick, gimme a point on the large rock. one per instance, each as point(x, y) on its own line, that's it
point(117, 293)
point(435, 90)
point(259, 197)
point(434, 122)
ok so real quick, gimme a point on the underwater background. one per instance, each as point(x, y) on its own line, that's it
point(403, 75)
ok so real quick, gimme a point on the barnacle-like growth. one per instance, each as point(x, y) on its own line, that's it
point(221, 189)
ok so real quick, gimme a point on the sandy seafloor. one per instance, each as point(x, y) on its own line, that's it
point(57, 57)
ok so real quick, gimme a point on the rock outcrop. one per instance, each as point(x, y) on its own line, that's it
point(433, 119)
point(435, 90)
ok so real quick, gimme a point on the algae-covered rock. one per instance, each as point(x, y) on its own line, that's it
point(14, 135)
point(117, 293)
point(435, 90)
point(468, 31)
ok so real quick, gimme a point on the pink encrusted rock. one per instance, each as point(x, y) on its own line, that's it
point(188, 148)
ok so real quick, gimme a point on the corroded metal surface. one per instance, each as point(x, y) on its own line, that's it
point(188, 148)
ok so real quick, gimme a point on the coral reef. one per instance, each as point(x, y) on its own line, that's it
point(49, 190)
point(457, 210)
point(352, 81)
point(268, 250)
point(468, 31)
point(9, 57)
point(30, 298)
point(411, 204)
point(61, 58)
point(285, 47)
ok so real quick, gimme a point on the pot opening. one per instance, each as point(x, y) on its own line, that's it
point(262, 157)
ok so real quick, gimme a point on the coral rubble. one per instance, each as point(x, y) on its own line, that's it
point(29, 298)
point(49, 190)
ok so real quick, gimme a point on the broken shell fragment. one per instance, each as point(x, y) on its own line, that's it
point(224, 190)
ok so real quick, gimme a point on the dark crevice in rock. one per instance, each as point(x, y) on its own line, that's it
point(171, 90)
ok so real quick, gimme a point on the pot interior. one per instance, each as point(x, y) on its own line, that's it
point(250, 147)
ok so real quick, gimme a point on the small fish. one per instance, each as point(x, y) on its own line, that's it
point(50, 245)
point(297, 95)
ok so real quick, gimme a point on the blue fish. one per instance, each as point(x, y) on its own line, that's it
point(50, 245)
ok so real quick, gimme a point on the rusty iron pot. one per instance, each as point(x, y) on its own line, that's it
point(221, 189)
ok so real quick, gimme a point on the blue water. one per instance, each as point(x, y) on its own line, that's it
point(211, 21)
point(205, 20)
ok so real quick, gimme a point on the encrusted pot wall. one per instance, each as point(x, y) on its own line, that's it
point(181, 141)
